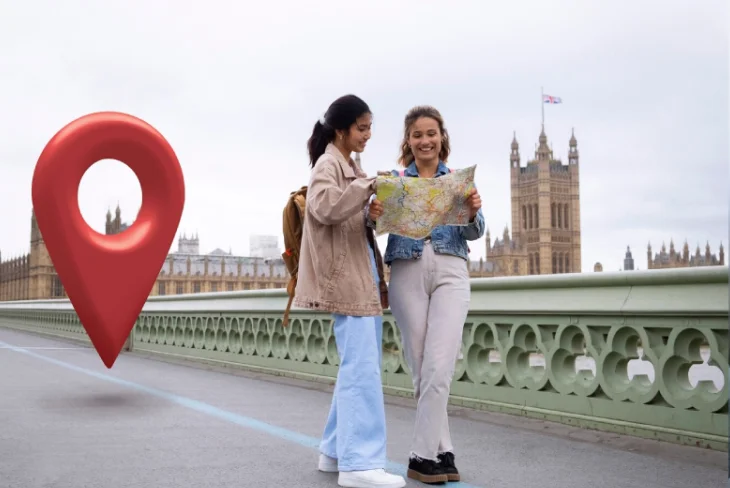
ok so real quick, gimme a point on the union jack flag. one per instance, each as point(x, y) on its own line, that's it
point(551, 99)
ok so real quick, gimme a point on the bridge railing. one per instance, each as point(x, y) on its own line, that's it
point(641, 352)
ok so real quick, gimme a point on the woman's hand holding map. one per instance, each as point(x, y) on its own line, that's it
point(376, 210)
point(474, 202)
point(412, 207)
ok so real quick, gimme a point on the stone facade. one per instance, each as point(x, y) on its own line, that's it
point(188, 271)
point(545, 206)
point(33, 276)
point(192, 272)
point(673, 259)
point(628, 260)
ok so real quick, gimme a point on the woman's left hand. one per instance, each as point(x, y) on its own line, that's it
point(475, 203)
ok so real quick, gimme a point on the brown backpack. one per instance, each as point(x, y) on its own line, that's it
point(293, 227)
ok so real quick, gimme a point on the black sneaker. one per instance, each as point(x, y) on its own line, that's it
point(426, 471)
point(448, 465)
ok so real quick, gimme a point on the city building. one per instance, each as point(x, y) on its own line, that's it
point(33, 276)
point(673, 259)
point(264, 247)
point(628, 260)
point(545, 217)
point(189, 271)
point(30, 276)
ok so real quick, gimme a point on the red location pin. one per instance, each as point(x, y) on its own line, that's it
point(108, 277)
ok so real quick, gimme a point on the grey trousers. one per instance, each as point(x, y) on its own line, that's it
point(429, 299)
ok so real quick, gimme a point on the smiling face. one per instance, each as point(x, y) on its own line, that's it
point(424, 138)
point(357, 137)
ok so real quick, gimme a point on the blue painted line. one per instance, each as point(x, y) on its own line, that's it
point(243, 421)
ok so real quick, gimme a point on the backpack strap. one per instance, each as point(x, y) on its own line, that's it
point(290, 288)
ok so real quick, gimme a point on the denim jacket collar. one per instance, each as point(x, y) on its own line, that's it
point(445, 239)
point(412, 170)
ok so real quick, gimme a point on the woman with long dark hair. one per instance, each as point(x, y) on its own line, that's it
point(341, 272)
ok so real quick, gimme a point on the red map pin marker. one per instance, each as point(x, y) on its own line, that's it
point(108, 277)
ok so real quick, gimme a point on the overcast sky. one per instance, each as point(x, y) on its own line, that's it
point(236, 86)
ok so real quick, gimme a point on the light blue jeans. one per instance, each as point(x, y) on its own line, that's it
point(355, 430)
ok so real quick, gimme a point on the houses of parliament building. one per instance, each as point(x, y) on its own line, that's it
point(33, 276)
point(546, 239)
point(545, 196)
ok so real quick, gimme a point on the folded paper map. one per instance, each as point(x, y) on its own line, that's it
point(413, 207)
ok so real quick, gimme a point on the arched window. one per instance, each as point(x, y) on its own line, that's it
point(560, 215)
point(524, 217)
point(57, 290)
point(552, 215)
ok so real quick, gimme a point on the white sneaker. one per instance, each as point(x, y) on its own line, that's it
point(327, 464)
point(374, 478)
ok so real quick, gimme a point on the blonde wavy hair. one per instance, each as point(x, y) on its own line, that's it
point(406, 154)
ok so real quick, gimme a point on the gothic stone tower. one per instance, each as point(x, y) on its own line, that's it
point(115, 226)
point(546, 208)
point(44, 282)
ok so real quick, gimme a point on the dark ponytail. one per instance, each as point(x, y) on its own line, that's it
point(339, 116)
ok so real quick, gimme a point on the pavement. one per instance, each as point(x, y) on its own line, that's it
point(66, 421)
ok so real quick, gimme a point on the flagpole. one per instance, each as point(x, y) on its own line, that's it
point(542, 105)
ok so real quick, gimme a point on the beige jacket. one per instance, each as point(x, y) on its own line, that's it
point(335, 274)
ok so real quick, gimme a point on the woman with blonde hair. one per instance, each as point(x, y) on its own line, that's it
point(429, 293)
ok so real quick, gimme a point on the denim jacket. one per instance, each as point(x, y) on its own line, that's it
point(445, 239)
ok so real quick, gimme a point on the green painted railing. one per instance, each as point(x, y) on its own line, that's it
point(642, 353)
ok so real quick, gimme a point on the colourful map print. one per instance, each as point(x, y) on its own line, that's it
point(413, 207)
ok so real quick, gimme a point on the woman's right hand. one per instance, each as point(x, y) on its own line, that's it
point(376, 210)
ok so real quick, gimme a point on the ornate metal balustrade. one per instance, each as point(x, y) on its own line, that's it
point(641, 352)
